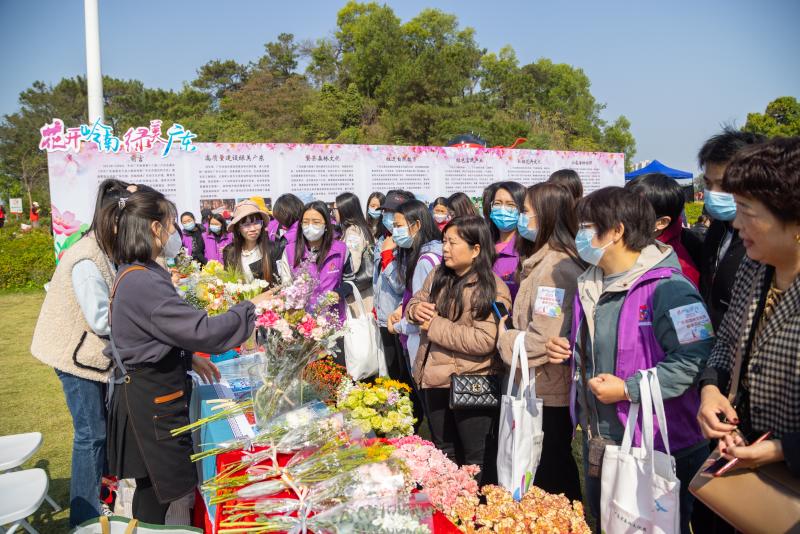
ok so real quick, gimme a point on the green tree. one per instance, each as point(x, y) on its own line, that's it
point(780, 119)
point(370, 40)
point(218, 78)
point(281, 57)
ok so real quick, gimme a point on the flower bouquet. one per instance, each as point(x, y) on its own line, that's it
point(384, 407)
point(307, 467)
point(431, 471)
point(537, 512)
point(297, 419)
point(293, 331)
point(370, 517)
point(214, 288)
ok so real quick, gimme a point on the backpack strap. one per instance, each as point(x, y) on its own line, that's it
point(116, 285)
point(113, 379)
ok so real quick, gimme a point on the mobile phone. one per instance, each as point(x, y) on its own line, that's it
point(501, 311)
point(723, 465)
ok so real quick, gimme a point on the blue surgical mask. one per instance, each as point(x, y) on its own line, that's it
point(522, 227)
point(401, 237)
point(505, 219)
point(588, 252)
point(388, 221)
point(215, 228)
point(374, 214)
point(189, 227)
point(721, 206)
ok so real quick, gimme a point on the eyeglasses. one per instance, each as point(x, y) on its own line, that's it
point(252, 224)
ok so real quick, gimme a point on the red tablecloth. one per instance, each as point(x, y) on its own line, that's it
point(441, 525)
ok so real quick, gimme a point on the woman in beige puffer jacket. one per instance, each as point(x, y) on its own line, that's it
point(459, 336)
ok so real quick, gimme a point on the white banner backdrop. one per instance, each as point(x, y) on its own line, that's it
point(220, 174)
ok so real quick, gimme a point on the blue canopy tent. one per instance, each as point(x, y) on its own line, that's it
point(685, 179)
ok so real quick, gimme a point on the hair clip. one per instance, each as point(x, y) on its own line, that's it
point(121, 202)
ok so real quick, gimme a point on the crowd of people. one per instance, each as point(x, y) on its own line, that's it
point(617, 264)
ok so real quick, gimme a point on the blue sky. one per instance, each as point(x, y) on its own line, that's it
point(678, 69)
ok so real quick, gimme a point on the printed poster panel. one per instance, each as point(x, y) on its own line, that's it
point(218, 175)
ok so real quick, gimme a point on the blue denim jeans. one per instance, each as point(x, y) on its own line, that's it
point(685, 469)
point(86, 403)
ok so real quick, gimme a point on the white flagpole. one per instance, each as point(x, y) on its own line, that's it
point(94, 75)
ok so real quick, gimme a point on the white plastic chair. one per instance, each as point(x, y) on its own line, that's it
point(21, 494)
point(17, 449)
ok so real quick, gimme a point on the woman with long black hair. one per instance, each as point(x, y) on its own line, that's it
point(356, 233)
point(459, 333)
point(543, 309)
point(251, 252)
point(419, 251)
point(374, 214)
point(316, 245)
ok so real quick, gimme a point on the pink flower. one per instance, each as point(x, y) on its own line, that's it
point(267, 319)
point(307, 326)
point(66, 223)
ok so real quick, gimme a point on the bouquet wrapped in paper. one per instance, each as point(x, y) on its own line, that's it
point(306, 468)
point(214, 288)
point(383, 406)
point(293, 332)
point(294, 420)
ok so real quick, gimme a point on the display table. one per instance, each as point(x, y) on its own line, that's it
point(208, 516)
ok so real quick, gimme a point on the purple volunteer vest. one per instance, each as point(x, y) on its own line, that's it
point(214, 247)
point(505, 266)
point(638, 348)
point(329, 275)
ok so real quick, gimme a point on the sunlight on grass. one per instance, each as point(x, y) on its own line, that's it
point(32, 400)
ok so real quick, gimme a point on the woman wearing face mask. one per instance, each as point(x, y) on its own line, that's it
point(502, 202)
point(440, 212)
point(192, 239)
point(635, 310)
point(419, 251)
point(286, 213)
point(374, 214)
point(251, 253)
point(543, 309)
point(454, 311)
point(315, 244)
point(216, 238)
point(153, 335)
point(76, 307)
point(388, 296)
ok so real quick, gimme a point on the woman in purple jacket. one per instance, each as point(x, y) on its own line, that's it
point(502, 202)
point(327, 258)
point(192, 237)
point(216, 238)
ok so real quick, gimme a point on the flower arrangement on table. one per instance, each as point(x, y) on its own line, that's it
point(214, 288)
point(383, 406)
point(537, 512)
point(433, 473)
point(326, 376)
point(294, 329)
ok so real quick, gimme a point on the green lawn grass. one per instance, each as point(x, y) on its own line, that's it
point(32, 400)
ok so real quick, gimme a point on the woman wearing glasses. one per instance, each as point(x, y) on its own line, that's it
point(251, 253)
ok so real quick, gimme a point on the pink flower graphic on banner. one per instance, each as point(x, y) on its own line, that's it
point(65, 223)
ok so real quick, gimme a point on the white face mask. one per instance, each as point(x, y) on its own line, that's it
point(172, 246)
point(312, 232)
